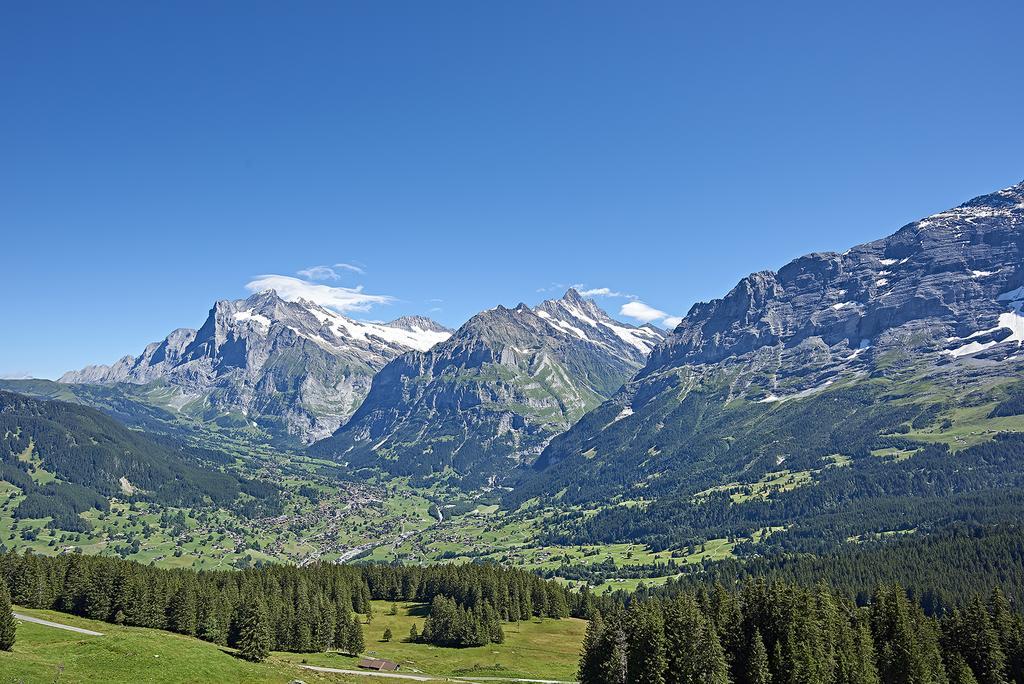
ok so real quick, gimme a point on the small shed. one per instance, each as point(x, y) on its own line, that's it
point(378, 664)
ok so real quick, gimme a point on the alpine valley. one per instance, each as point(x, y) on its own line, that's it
point(854, 418)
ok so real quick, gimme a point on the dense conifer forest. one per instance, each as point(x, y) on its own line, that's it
point(941, 571)
point(285, 608)
point(781, 633)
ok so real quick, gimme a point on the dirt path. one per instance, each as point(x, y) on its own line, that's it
point(47, 623)
point(432, 678)
point(368, 673)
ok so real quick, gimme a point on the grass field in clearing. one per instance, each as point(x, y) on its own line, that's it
point(539, 649)
point(970, 425)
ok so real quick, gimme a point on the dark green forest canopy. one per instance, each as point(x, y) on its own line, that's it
point(780, 632)
point(93, 457)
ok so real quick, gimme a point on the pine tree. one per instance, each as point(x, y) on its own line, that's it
point(972, 635)
point(341, 628)
point(907, 643)
point(1010, 628)
point(613, 667)
point(757, 663)
point(253, 633)
point(182, 611)
point(646, 635)
point(694, 654)
point(355, 643)
point(413, 634)
point(959, 671)
point(8, 627)
point(387, 634)
point(590, 658)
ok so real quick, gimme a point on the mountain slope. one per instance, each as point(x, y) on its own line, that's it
point(494, 393)
point(295, 368)
point(836, 359)
point(67, 458)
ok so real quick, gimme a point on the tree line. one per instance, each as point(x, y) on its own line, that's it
point(281, 607)
point(782, 633)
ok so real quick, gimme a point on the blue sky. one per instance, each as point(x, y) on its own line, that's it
point(155, 157)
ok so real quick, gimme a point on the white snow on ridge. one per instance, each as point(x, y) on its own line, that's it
point(1015, 322)
point(1011, 320)
point(576, 313)
point(417, 338)
point(562, 325)
point(632, 336)
point(887, 262)
point(982, 274)
point(771, 398)
point(248, 315)
point(970, 348)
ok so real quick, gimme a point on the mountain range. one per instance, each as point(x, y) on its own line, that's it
point(294, 368)
point(492, 395)
point(896, 361)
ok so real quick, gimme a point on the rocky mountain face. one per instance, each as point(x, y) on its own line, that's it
point(493, 394)
point(292, 368)
point(831, 354)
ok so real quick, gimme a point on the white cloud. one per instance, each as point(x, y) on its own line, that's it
point(319, 273)
point(641, 312)
point(328, 272)
point(351, 267)
point(341, 299)
point(644, 313)
point(605, 292)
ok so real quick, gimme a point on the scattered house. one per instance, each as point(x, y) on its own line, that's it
point(378, 664)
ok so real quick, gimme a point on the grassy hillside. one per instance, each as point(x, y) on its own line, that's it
point(548, 649)
point(133, 654)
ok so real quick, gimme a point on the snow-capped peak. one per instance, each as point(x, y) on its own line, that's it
point(580, 317)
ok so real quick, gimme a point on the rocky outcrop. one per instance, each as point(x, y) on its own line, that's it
point(941, 278)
